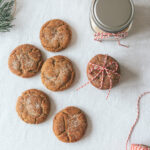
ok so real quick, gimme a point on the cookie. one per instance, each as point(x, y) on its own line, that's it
point(103, 72)
point(25, 60)
point(55, 35)
point(69, 125)
point(57, 73)
point(33, 106)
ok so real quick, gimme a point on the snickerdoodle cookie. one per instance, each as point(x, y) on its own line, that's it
point(69, 125)
point(57, 73)
point(55, 35)
point(103, 71)
point(25, 60)
point(33, 106)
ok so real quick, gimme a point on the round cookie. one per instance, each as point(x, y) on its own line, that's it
point(57, 73)
point(33, 106)
point(69, 125)
point(103, 78)
point(25, 60)
point(55, 35)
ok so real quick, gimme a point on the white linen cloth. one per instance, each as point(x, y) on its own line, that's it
point(109, 121)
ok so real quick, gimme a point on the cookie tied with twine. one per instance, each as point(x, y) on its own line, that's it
point(103, 72)
point(137, 146)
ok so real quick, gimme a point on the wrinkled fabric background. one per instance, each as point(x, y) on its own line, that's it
point(109, 121)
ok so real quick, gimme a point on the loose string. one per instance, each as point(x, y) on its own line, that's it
point(101, 70)
point(127, 46)
point(137, 118)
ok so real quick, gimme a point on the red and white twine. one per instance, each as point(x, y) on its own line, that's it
point(101, 70)
point(104, 35)
point(137, 146)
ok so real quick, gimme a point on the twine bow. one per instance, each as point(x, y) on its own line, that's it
point(101, 70)
point(118, 36)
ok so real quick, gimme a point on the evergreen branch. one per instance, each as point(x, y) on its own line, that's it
point(6, 16)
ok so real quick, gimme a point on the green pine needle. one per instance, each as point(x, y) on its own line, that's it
point(6, 16)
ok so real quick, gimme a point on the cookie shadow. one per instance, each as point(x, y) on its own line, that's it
point(128, 76)
point(141, 22)
point(74, 37)
point(52, 108)
point(89, 126)
point(77, 74)
point(43, 55)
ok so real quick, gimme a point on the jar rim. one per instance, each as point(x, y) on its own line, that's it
point(111, 29)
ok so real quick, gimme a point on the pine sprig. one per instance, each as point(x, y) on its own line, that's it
point(6, 16)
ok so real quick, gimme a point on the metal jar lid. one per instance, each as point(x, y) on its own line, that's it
point(112, 15)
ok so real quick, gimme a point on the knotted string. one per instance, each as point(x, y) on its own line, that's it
point(101, 70)
point(118, 36)
point(133, 126)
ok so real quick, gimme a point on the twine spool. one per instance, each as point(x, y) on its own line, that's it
point(137, 146)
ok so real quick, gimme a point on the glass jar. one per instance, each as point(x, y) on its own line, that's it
point(111, 18)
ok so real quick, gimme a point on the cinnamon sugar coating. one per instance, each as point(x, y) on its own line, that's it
point(69, 125)
point(33, 106)
point(57, 73)
point(55, 35)
point(25, 60)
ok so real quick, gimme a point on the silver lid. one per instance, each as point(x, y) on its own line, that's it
point(112, 15)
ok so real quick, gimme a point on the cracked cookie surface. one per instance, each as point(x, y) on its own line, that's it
point(25, 60)
point(33, 106)
point(69, 125)
point(113, 72)
point(55, 35)
point(57, 73)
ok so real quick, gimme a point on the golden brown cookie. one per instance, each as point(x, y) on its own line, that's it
point(103, 72)
point(69, 125)
point(33, 106)
point(55, 35)
point(25, 60)
point(57, 73)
